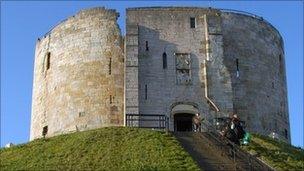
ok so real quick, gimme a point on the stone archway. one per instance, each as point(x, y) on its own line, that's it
point(183, 122)
point(182, 115)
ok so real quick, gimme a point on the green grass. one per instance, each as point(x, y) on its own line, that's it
point(278, 154)
point(113, 148)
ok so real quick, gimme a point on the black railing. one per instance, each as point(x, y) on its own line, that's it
point(152, 121)
point(242, 159)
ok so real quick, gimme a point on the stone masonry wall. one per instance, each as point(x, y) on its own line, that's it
point(78, 75)
point(167, 30)
point(257, 92)
point(260, 91)
point(229, 62)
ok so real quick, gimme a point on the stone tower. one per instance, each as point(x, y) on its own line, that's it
point(78, 75)
point(175, 61)
point(184, 60)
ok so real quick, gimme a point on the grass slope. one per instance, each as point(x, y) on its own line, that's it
point(113, 148)
point(278, 154)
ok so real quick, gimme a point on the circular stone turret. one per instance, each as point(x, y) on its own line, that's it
point(79, 75)
point(254, 54)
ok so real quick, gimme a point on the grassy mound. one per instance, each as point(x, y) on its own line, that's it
point(278, 154)
point(113, 148)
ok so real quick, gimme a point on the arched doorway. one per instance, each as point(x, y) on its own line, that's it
point(183, 122)
point(182, 117)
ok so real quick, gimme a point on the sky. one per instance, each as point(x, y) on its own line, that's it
point(23, 22)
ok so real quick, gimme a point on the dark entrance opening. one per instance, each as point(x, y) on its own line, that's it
point(183, 122)
point(44, 131)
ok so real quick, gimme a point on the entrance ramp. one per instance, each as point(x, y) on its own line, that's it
point(203, 151)
point(213, 152)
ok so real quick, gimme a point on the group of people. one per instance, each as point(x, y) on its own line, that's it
point(232, 129)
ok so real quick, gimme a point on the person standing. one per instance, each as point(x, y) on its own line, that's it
point(197, 120)
point(237, 129)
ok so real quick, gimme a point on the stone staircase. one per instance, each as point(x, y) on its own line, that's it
point(212, 154)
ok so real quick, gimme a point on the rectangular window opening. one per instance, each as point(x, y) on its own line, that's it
point(110, 99)
point(147, 46)
point(192, 22)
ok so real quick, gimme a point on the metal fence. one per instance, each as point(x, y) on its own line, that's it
point(152, 121)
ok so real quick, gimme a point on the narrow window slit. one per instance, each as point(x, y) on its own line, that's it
point(110, 66)
point(110, 99)
point(164, 60)
point(237, 68)
point(146, 92)
point(147, 46)
point(48, 62)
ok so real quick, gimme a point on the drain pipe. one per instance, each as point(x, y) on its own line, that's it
point(205, 63)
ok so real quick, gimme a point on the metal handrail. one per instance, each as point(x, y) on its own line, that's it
point(244, 157)
point(137, 120)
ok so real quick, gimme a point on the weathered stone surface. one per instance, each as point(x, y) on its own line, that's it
point(83, 87)
point(260, 91)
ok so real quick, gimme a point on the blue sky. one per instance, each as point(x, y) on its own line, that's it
point(23, 22)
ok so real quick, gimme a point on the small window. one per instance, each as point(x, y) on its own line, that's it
point(192, 22)
point(164, 60)
point(286, 133)
point(147, 46)
point(237, 64)
point(272, 85)
point(110, 66)
point(237, 68)
point(146, 92)
point(110, 99)
point(48, 60)
point(44, 131)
